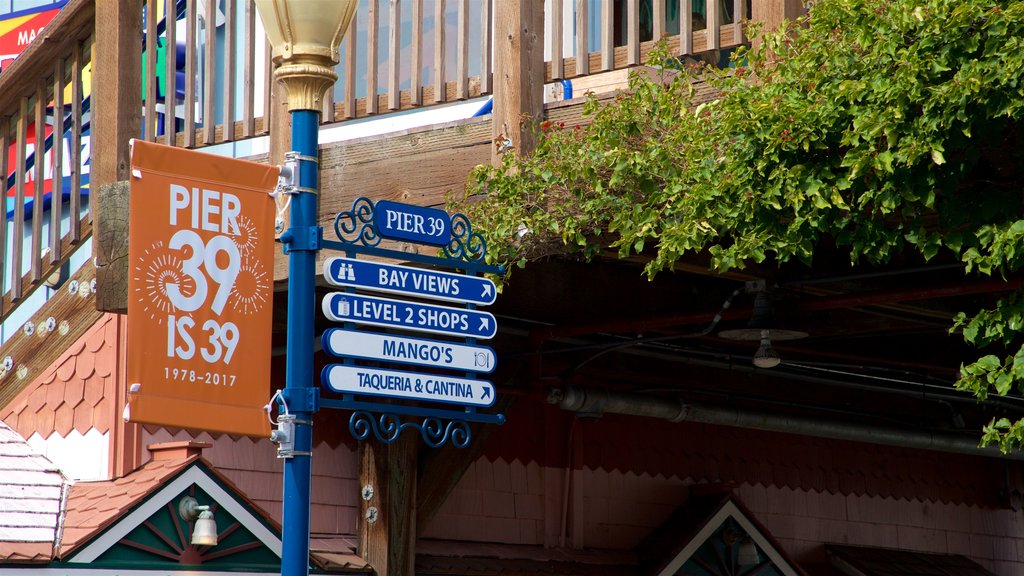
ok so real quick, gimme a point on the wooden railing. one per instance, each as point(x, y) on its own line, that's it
point(217, 76)
point(204, 82)
point(626, 30)
point(44, 116)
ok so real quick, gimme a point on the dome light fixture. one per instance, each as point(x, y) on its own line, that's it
point(204, 532)
point(764, 328)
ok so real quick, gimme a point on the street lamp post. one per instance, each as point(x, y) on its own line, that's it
point(305, 35)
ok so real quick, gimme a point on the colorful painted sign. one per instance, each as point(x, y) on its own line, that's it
point(389, 313)
point(404, 280)
point(408, 385)
point(201, 251)
point(19, 29)
point(406, 350)
point(412, 223)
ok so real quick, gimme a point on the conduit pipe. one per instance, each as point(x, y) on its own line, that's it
point(596, 402)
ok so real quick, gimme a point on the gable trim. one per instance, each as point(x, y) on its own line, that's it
point(193, 475)
point(728, 509)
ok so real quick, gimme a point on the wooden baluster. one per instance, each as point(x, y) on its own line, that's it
point(607, 35)
point(714, 24)
point(486, 46)
point(209, 73)
point(152, 46)
point(372, 30)
point(268, 89)
point(462, 52)
point(685, 27)
point(171, 74)
point(350, 69)
point(19, 198)
point(440, 88)
point(57, 161)
point(557, 24)
point(394, 55)
point(38, 182)
point(582, 38)
point(739, 14)
point(416, 66)
point(658, 27)
point(190, 73)
point(5, 142)
point(228, 122)
point(78, 58)
point(633, 32)
point(248, 71)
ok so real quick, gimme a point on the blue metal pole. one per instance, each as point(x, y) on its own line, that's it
point(301, 393)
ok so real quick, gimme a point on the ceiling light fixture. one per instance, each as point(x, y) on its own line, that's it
point(763, 327)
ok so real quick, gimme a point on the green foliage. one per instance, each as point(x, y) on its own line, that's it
point(872, 126)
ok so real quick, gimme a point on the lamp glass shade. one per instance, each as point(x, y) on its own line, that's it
point(306, 27)
point(205, 531)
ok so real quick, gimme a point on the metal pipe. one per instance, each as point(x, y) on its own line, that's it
point(583, 401)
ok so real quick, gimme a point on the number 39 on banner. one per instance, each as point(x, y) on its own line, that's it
point(201, 288)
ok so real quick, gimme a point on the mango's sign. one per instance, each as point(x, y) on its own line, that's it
point(201, 243)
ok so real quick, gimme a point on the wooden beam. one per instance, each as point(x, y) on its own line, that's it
point(117, 105)
point(116, 89)
point(111, 247)
point(518, 73)
point(387, 521)
point(74, 313)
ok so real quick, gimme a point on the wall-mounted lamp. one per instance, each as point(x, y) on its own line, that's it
point(204, 532)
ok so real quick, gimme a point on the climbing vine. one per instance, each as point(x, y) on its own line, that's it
point(871, 126)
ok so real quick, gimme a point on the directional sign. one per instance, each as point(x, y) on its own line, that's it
point(344, 307)
point(412, 223)
point(409, 281)
point(419, 351)
point(407, 385)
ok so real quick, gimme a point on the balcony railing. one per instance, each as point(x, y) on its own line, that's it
point(204, 81)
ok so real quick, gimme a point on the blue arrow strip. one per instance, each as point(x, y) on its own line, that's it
point(404, 385)
point(409, 281)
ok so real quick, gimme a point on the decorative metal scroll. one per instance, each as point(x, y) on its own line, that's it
point(465, 244)
point(388, 427)
point(356, 225)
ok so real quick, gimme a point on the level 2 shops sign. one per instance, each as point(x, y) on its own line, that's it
point(201, 242)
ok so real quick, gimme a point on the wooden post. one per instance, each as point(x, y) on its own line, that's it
point(772, 12)
point(518, 73)
point(116, 118)
point(387, 521)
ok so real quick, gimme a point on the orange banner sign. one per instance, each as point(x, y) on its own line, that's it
point(201, 250)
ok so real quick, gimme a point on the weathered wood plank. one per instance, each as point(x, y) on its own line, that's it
point(372, 32)
point(170, 78)
point(57, 160)
point(439, 44)
point(582, 34)
point(416, 56)
point(394, 54)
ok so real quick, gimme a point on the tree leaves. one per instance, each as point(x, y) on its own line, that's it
point(873, 121)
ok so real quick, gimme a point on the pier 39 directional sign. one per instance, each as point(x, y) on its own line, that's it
point(420, 375)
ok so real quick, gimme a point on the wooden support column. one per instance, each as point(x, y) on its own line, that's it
point(116, 118)
point(387, 522)
point(518, 73)
point(773, 12)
